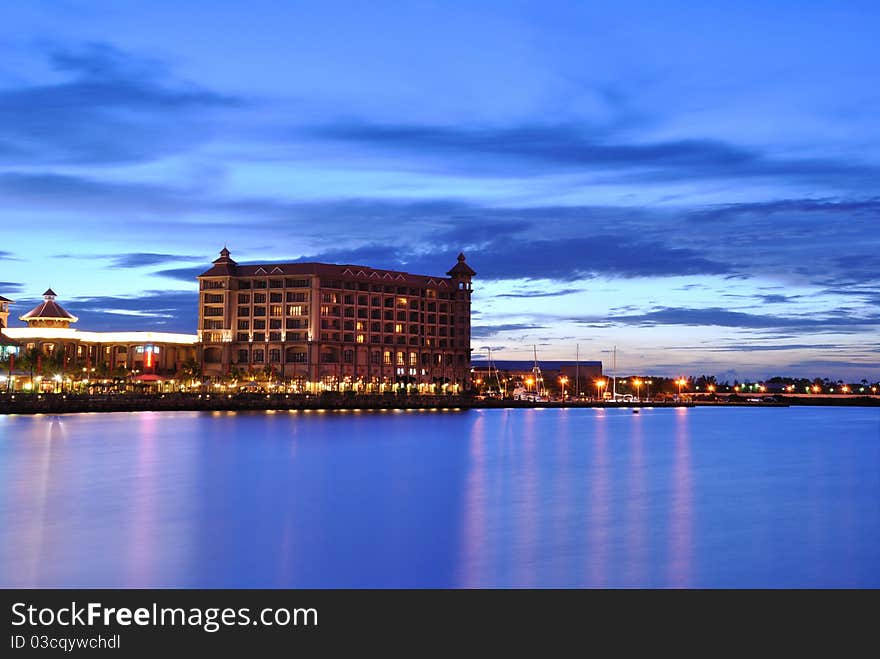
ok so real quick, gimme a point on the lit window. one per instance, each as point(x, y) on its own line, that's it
point(398, 328)
point(401, 358)
point(387, 357)
point(361, 338)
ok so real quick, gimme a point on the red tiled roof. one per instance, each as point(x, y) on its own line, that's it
point(342, 271)
point(49, 310)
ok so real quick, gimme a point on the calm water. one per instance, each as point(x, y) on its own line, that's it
point(671, 498)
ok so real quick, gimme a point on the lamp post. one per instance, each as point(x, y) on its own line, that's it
point(681, 383)
point(562, 381)
point(599, 385)
point(638, 384)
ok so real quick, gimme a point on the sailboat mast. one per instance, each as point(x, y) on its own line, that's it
point(577, 370)
point(614, 373)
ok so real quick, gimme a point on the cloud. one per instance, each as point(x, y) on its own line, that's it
point(111, 108)
point(714, 316)
point(169, 311)
point(486, 331)
point(10, 287)
point(530, 294)
point(140, 259)
point(535, 148)
point(183, 274)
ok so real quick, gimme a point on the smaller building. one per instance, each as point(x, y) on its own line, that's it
point(49, 343)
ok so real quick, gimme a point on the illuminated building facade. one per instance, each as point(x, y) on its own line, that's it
point(322, 326)
point(145, 356)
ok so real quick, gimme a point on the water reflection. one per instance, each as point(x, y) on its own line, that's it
point(507, 498)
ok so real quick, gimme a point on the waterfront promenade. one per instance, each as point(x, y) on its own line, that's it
point(24, 403)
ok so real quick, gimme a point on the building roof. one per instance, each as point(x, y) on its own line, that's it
point(4, 299)
point(49, 309)
point(461, 268)
point(8, 341)
point(226, 267)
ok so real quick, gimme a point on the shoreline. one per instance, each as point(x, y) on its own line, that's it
point(72, 404)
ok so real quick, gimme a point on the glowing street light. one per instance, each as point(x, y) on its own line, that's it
point(599, 385)
point(638, 384)
point(563, 380)
point(529, 383)
point(680, 382)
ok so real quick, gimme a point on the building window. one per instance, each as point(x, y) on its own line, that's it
point(275, 323)
point(296, 297)
point(259, 298)
point(214, 298)
point(259, 324)
point(295, 310)
point(259, 311)
point(259, 336)
point(274, 336)
point(244, 311)
point(413, 359)
point(242, 336)
point(348, 356)
point(361, 338)
point(244, 324)
point(297, 283)
point(398, 328)
point(259, 283)
point(213, 311)
point(296, 356)
point(209, 283)
point(275, 310)
point(244, 298)
point(212, 324)
point(259, 356)
point(275, 355)
point(401, 359)
point(329, 298)
point(276, 283)
point(276, 297)
point(387, 358)
point(242, 356)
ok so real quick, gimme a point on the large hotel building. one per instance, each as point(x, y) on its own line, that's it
point(342, 327)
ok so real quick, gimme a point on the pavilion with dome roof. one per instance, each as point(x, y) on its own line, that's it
point(48, 313)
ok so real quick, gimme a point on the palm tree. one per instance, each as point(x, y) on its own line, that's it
point(31, 358)
point(191, 369)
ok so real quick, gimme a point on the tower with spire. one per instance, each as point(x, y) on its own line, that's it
point(48, 313)
point(461, 274)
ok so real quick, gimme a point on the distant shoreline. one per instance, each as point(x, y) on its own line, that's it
point(67, 404)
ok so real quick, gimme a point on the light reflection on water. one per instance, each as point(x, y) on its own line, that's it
point(512, 498)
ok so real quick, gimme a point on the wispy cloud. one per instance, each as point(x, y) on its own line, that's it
point(534, 148)
point(113, 107)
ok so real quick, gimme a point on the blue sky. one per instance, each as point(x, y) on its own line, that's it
point(695, 183)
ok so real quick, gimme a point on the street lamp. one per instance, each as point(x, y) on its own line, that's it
point(562, 381)
point(599, 385)
point(638, 384)
point(648, 394)
point(680, 382)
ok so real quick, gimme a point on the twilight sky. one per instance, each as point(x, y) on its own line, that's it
point(696, 183)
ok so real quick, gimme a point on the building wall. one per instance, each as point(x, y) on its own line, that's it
point(337, 330)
